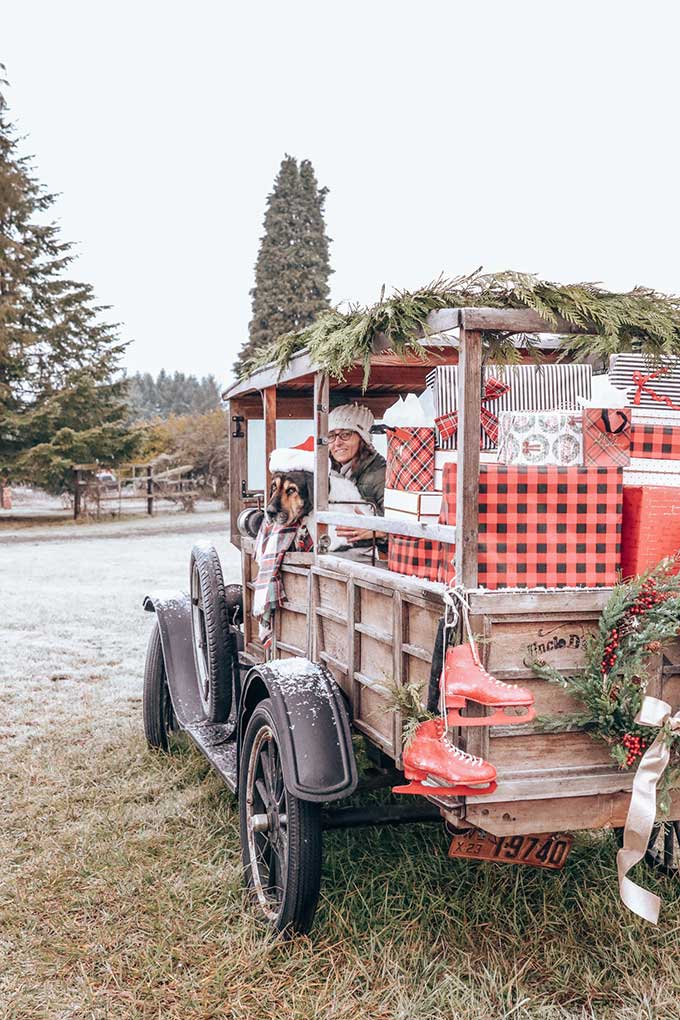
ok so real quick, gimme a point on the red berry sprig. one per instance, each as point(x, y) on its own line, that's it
point(635, 748)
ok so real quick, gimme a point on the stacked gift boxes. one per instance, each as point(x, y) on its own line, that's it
point(545, 526)
point(651, 503)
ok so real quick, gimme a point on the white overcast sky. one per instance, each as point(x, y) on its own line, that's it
point(540, 136)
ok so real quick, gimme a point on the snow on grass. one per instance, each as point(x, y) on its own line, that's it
point(72, 629)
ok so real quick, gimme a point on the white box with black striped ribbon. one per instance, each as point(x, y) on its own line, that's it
point(530, 388)
point(650, 384)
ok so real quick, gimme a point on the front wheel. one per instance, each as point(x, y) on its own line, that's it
point(159, 718)
point(280, 834)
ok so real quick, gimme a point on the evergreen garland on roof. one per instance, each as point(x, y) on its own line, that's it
point(639, 320)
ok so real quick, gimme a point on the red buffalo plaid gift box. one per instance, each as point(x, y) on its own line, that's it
point(652, 440)
point(544, 527)
point(417, 557)
point(410, 459)
point(606, 436)
point(651, 526)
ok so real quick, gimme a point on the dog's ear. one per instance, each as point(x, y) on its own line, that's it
point(309, 496)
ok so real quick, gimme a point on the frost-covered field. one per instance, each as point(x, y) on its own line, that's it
point(72, 629)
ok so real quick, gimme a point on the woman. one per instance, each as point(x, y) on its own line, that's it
point(353, 456)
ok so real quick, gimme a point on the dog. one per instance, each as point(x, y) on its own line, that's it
point(291, 499)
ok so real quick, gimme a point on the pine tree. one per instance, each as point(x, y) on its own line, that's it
point(292, 269)
point(176, 394)
point(58, 395)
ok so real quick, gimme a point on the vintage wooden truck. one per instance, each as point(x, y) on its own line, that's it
point(278, 725)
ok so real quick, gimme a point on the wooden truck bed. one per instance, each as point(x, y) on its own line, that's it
point(374, 628)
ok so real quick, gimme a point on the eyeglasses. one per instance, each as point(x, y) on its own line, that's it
point(343, 434)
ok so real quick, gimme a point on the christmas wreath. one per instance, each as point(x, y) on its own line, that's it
point(640, 616)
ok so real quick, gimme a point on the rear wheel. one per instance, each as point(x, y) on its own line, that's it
point(280, 834)
point(159, 718)
point(213, 649)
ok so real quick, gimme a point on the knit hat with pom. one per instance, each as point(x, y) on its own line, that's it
point(352, 416)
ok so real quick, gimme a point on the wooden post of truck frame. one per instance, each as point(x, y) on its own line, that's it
point(467, 485)
point(321, 409)
point(269, 410)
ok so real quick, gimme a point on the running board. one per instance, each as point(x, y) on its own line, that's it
point(215, 741)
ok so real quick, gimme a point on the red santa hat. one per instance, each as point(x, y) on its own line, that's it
point(295, 458)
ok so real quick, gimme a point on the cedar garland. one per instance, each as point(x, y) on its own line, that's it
point(639, 320)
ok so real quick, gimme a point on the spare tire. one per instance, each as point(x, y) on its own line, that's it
point(213, 646)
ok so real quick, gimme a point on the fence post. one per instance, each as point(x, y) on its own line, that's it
point(76, 494)
point(149, 489)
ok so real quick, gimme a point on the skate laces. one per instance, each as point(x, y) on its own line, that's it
point(470, 759)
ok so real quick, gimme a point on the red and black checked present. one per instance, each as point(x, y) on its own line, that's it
point(656, 442)
point(606, 436)
point(544, 526)
point(410, 459)
point(417, 557)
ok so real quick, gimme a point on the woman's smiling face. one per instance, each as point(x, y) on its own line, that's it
point(344, 445)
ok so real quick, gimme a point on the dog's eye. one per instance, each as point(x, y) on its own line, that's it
point(291, 490)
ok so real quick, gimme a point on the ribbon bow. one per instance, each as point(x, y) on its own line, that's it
point(493, 389)
point(642, 811)
point(641, 382)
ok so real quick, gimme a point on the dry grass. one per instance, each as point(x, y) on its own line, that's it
point(120, 886)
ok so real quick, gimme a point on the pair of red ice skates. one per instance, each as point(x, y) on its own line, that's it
point(431, 761)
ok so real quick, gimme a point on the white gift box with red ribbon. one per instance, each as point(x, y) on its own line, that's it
point(422, 506)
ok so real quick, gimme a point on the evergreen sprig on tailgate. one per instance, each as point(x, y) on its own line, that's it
point(639, 320)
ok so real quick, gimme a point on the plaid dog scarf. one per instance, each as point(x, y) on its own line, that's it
point(273, 542)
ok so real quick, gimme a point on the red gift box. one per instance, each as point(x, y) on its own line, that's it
point(543, 527)
point(656, 442)
point(606, 436)
point(651, 526)
point(417, 557)
point(410, 459)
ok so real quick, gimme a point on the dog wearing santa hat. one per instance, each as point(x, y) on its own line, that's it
point(291, 497)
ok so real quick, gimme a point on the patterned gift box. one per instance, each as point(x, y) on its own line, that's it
point(544, 527)
point(655, 442)
point(606, 436)
point(417, 557)
point(444, 457)
point(652, 472)
point(650, 384)
point(413, 506)
point(540, 437)
point(410, 459)
point(651, 527)
point(526, 388)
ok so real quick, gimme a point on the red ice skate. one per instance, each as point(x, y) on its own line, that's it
point(437, 767)
point(465, 679)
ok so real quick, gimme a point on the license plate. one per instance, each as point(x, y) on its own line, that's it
point(540, 851)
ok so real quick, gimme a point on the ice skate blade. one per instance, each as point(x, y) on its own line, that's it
point(498, 718)
point(424, 789)
point(461, 700)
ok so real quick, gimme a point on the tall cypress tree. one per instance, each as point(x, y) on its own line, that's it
point(292, 269)
point(58, 399)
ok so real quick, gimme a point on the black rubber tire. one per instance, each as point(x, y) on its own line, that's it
point(210, 633)
point(291, 910)
point(157, 713)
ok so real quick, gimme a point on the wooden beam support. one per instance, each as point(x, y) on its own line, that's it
point(238, 466)
point(467, 486)
point(321, 409)
point(269, 407)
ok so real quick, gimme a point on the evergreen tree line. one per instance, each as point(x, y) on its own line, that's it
point(292, 268)
point(170, 394)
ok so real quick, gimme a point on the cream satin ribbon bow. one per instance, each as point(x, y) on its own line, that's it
point(642, 810)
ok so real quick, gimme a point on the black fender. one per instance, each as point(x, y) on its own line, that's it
point(312, 720)
point(173, 612)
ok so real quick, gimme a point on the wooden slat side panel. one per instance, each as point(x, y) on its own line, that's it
point(376, 609)
point(559, 643)
point(546, 750)
point(560, 814)
point(291, 629)
point(375, 660)
point(331, 592)
point(334, 640)
point(295, 585)
point(421, 626)
point(374, 711)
